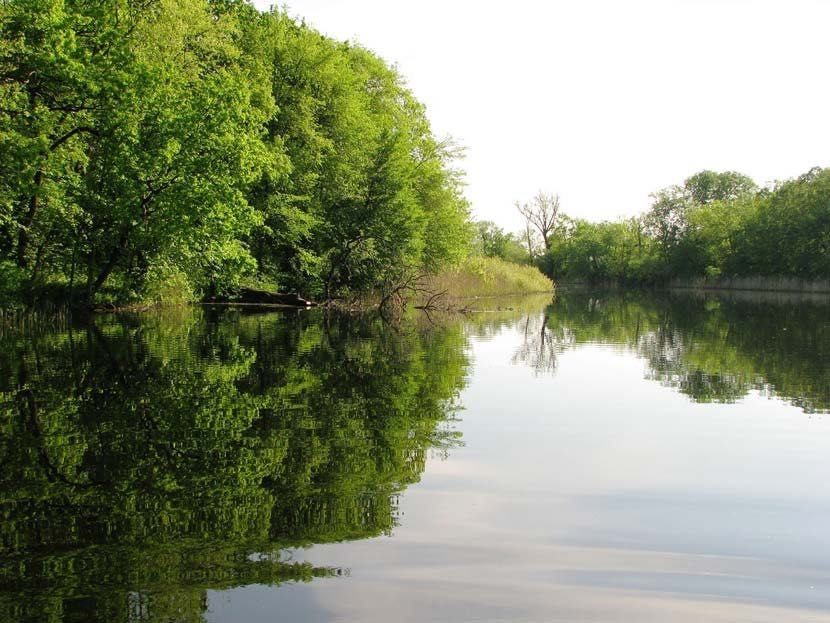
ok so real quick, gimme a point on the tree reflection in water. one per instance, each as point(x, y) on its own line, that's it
point(712, 348)
point(150, 458)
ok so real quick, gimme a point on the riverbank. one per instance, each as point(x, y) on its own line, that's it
point(489, 276)
point(453, 288)
point(761, 284)
point(727, 284)
point(476, 277)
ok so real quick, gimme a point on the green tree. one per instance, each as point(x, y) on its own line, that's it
point(60, 67)
point(160, 145)
point(176, 158)
point(667, 220)
point(788, 234)
point(371, 194)
point(492, 241)
point(708, 186)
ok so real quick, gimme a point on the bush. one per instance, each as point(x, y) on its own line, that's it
point(12, 280)
point(166, 284)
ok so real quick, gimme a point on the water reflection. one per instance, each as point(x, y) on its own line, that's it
point(541, 343)
point(148, 459)
point(710, 347)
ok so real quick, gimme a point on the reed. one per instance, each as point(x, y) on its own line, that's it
point(489, 276)
point(34, 321)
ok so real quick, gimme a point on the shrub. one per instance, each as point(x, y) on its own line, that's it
point(12, 280)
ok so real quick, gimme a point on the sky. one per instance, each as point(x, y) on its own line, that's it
point(604, 101)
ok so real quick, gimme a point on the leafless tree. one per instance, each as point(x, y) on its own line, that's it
point(540, 213)
point(542, 344)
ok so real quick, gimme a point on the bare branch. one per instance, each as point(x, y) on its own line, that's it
point(541, 214)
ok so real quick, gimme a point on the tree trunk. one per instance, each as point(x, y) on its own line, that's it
point(115, 255)
point(28, 220)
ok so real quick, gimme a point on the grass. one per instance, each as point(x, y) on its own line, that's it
point(170, 287)
point(489, 276)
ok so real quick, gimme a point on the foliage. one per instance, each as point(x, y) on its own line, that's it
point(601, 252)
point(708, 186)
point(716, 225)
point(788, 231)
point(370, 192)
point(166, 284)
point(489, 276)
point(492, 241)
point(12, 280)
point(225, 143)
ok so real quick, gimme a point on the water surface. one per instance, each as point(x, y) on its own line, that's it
point(603, 457)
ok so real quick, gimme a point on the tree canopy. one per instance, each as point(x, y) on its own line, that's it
point(713, 225)
point(201, 143)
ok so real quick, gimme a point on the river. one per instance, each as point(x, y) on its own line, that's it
point(604, 456)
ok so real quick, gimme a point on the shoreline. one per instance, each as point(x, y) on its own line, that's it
point(742, 284)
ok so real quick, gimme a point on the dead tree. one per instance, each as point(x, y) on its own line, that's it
point(540, 213)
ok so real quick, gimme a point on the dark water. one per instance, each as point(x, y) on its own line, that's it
point(606, 457)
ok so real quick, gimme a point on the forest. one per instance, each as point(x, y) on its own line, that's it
point(175, 150)
point(170, 149)
point(713, 225)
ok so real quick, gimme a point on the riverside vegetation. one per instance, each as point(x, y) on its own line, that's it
point(713, 226)
point(714, 229)
point(164, 150)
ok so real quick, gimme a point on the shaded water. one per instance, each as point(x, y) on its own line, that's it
point(607, 457)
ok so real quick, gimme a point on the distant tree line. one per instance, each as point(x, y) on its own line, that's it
point(713, 225)
point(150, 147)
point(540, 215)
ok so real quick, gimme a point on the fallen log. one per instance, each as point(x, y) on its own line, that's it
point(252, 296)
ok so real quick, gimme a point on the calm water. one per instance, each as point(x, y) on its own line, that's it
point(600, 458)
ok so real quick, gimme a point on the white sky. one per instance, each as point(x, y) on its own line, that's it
point(605, 101)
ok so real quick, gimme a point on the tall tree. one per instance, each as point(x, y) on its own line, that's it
point(204, 142)
point(175, 159)
point(708, 186)
point(540, 213)
point(667, 220)
point(61, 66)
